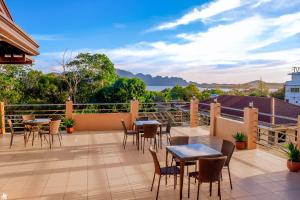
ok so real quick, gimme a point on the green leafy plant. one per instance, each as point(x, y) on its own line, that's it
point(292, 152)
point(239, 137)
point(69, 123)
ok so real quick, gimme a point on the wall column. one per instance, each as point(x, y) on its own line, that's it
point(134, 109)
point(215, 112)
point(251, 126)
point(194, 113)
point(2, 118)
point(298, 132)
point(69, 109)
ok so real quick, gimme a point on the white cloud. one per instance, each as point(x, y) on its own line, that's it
point(202, 13)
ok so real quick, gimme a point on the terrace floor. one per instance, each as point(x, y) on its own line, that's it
point(93, 165)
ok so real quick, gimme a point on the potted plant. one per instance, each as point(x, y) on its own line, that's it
point(69, 124)
point(293, 162)
point(240, 141)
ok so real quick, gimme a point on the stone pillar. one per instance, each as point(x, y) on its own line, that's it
point(298, 132)
point(215, 112)
point(69, 109)
point(2, 118)
point(194, 113)
point(134, 109)
point(251, 126)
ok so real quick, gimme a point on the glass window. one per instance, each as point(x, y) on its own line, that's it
point(295, 90)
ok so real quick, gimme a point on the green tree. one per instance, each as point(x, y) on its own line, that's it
point(86, 73)
point(177, 93)
point(279, 94)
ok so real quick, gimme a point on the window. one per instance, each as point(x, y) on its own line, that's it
point(295, 90)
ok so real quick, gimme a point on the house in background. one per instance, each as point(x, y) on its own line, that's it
point(292, 88)
point(16, 47)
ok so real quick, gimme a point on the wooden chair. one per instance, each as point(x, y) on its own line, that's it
point(13, 133)
point(182, 140)
point(150, 131)
point(165, 171)
point(209, 172)
point(54, 127)
point(227, 150)
point(126, 133)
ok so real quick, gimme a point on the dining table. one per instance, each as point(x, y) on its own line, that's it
point(36, 124)
point(139, 125)
point(189, 152)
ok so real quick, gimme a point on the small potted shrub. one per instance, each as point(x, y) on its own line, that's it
point(240, 141)
point(293, 162)
point(69, 124)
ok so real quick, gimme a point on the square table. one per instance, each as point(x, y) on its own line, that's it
point(190, 152)
point(140, 124)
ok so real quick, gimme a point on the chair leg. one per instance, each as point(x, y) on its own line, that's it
point(41, 141)
point(175, 181)
point(11, 139)
point(219, 189)
point(50, 140)
point(25, 139)
point(144, 146)
point(59, 139)
point(158, 187)
point(189, 185)
point(210, 188)
point(153, 182)
point(133, 139)
point(229, 177)
point(33, 136)
point(198, 191)
point(124, 141)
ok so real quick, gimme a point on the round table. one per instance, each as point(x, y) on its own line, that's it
point(36, 123)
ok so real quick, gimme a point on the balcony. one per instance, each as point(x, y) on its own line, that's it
point(94, 165)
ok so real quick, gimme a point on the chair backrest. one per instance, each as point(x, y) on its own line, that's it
point(179, 140)
point(169, 126)
point(10, 124)
point(150, 130)
point(210, 168)
point(155, 160)
point(142, 119)
point(124, 126)
point(54, 127)
point(227, 150)
point(28, 117)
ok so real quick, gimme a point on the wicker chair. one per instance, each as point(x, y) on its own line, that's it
point(209, 172)
point(13, 133)
point(182, 140)
point(54, 127)
point(126, 133)
point(29, 128)
point(150, 131)
point(165, 171)
point(167, 131)
point(227, 150)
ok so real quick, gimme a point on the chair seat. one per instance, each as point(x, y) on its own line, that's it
point(194, 174)
point(131, 132)
point(169, 170)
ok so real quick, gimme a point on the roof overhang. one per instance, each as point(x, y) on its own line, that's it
point(12, 37)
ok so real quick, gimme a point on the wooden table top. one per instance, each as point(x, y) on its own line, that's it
point(192, 151)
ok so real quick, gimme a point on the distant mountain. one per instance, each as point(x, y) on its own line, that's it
point(154, 80)
point(172, 81)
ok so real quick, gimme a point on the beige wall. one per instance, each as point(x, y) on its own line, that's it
point(101, 122)
point(225, 128)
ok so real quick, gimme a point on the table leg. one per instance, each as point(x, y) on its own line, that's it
point(138, 138)
point(181, 177)
point(167, 163)
point(160, 135)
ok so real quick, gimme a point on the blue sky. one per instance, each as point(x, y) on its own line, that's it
point(204, 41)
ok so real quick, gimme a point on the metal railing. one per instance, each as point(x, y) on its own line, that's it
point(204, 114)
point(232, 113)
point(16, 111)
point(89, 108)
point(177, 112)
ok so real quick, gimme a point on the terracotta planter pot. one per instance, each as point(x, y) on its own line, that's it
point(293, 166)
point(241, 145)
point(70, 130)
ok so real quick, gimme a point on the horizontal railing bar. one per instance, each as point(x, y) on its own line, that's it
point(84, 104)
point(278, 116)
point(234, 109)
point(28, 105)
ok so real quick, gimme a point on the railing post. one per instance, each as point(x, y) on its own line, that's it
point(298, 132)
point(2, 118)
point(251, 126)
point(134, 109)
point(69, 109)
point(194, 113)
point(215, 112)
